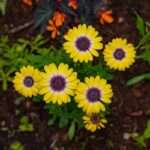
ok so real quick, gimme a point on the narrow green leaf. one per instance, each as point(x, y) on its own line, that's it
point(71, 131)
point(147, 131)
point(140, 141)
point(43, 14)
point(140, 25)
point(139, 78)
point(3, 6)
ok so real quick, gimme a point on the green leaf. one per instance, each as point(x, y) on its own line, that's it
point(140, 25)
point(24, 120)
point(3, 4)
point(44, 13)
point(64, 120)
point(71, 131)
point(140, 141)
point(25, 126)
point(145, 55)
point(143, 137)
point(16, 146)
point(51, 121)
point(64, 7)
point(37, 99)
point(139, 78)
point(30, 128)
point(147, 131)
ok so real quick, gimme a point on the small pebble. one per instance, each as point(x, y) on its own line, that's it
point(120, 20)
point(126, 136)
point(28, 104)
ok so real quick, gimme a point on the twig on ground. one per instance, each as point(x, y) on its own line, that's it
point(21, 27)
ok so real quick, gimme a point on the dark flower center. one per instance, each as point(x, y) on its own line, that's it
point(95, 119)
point(119, 53)
point(58, 83)
point(93, 95)
point(83, 43)
point(28, 81)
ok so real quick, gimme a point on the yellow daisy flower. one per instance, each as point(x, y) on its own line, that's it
point(26, 81)
point(93, 122)
point(93, 94)
point(83, 43)
point(58, 83)
point(119, 55)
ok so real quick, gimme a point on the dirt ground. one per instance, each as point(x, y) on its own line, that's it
point(130, 105)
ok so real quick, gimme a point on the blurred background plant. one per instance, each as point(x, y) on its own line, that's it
point(16, 146)
point(69, 13)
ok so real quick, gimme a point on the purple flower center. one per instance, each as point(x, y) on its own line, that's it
point(119, 54)
point(83, 43)
point(95, 119)
point(28, 81)
point(58, 83)
point(93, 95)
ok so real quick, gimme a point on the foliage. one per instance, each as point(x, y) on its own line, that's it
point(24, 125)
point(13, 56)
point(38, 53)
point(139, 78)
point(144, 45)
point(33, 52)
point(71, 131)
point(140, 25)
point(67, 115)
point(140, 139)
point(3, 4)
point(86, 12)
point(43, 13)
point(16, 146)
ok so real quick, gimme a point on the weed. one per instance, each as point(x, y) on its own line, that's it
point(24, 125)
point(16, 146)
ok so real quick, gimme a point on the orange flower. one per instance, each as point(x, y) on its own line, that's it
point(59, 18)
point(106, 17)
point(53, 29)
point(73, 4)
point(27, 2)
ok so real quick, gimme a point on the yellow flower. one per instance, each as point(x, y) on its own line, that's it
point(119, 55)
point(26, 81)
point(93, 94)
point(82, 43)
point(58, 83)
point(93, 122)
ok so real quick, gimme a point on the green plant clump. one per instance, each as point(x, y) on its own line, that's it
point(16, 146)
point(38, 53)
point(24, 125)
point(142, 138)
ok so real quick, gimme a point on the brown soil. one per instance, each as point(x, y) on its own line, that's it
point(130, 106)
